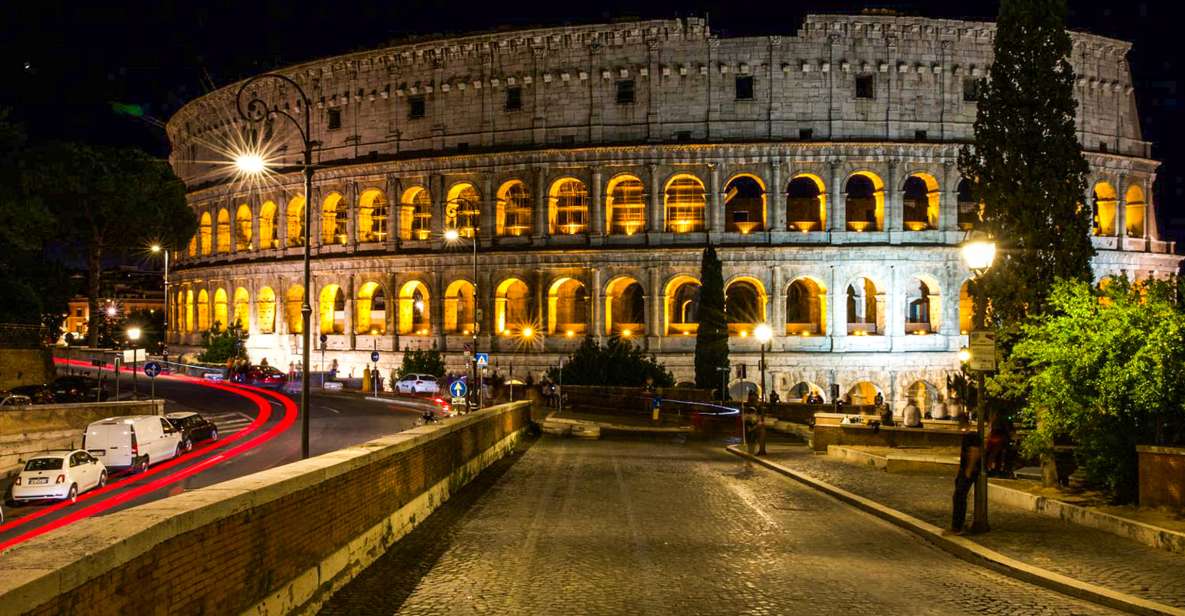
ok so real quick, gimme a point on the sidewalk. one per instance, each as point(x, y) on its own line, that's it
point(1085, 554)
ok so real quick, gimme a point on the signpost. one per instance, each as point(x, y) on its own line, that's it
point(983, 351)
point(483, 360)
point(324, 339)
point(982, 345)
point(457, 389)
point(375, 381)
point(116, 365)
point(152, 370)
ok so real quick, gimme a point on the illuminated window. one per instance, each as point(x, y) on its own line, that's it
point(865, 202)
point(293, 299)
point(744, 306)
point(625, 308)
point(414, 309)
point(243, 228)
point(744, 205)
point(205, 234)
point(567, 307)
point(332, 310)
point(335, 220)
point(265, 310)
point(863, 316)
point(515, 210)
point(372, 216)
point(626, 205)
point(189, 310)
point(223, 237)
point(1106, 207)
point(203, 311)
point(1135, 207)
point(569, 207)
point(295, 216)
point(969, 208)
point(268, 221)
point(806, 203)
point(242, 309)
point(921, 202)
point(463, 209)
point(512, 305)
point(193, 245)
point(458, 308)
point(686, 201)
point(220, 314)
point(370, 310)
point(806, 308)
point(415, 220)
point(682, 309)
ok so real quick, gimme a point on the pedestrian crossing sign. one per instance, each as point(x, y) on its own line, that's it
point(483, 359)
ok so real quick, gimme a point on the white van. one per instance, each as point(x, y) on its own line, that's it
point(132, 442)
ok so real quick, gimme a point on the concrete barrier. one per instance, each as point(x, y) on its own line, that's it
point(277, 542)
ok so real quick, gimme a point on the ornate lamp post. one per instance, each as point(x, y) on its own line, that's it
point(978, 254)
point(453, 236)
point(256, 111)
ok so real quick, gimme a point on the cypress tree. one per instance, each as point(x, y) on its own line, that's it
point(711, 339)
point(1026, 162)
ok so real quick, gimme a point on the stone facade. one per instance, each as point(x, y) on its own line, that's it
point(596, 162)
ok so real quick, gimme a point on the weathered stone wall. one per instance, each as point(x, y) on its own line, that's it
point(24, 367)
point(1162, 477)
point(276, 542)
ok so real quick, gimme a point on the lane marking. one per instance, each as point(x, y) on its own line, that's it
point(332, 409)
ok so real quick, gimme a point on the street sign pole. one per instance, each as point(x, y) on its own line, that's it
point(982, 345)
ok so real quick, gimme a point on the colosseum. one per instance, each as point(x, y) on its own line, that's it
point(592, 164)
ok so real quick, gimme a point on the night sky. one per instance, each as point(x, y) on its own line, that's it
point(64, 63)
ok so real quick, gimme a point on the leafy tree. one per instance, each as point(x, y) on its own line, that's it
point(223, 344)
point(110, 200)
point(1108, 372)
point(618, 363)
point(30, 285)
point(1026, 161)
point(711, 340)
point(417, 361)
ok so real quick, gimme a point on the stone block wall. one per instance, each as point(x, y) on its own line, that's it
point(1162, 476)
point(24, 367)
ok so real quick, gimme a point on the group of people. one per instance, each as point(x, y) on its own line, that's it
point(238, 368)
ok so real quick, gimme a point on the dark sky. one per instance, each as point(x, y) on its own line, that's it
point(63, 62)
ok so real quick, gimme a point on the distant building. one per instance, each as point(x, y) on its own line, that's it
point(125, 290)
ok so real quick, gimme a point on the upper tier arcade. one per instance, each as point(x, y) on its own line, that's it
point(840, 78)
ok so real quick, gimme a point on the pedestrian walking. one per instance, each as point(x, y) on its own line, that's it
point(970, 450)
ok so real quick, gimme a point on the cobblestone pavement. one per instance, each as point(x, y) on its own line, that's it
point(1070, 549)
point(666, 527)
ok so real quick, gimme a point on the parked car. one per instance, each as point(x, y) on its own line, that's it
point(194, 428)
point(39, 394)
point(12, 401)
point(133, 442)
point(77, 389)
point(417, 384)
point(61, 475)
point(265, 376)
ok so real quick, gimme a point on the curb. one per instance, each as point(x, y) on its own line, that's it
point(974, 553)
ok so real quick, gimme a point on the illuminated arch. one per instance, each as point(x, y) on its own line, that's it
point(922, 394)
point(512, 306)
point(685, 203)
point(415, 214)
point(295, 216)
point(1135, 209)
point(193, 245)
point(370, 310)
point(458, 308)
point(863, 307)
point(221, 323)
point(335, 220)
point(205, 234)
point(802, 389)
point(293, 300)
point(681, 299)
point(865, 199)
point(268, 221)
point(243, 228)
point(241, 315)
point(625, 307)
point(806, 307)
point(1106, 209)
point(373, 216)
point(567, 207)
point(966, 307)
point(744, 204)
point(744, 305)
point(265, 310)
point(414, 309)
point(463, 209)
point(921, 199)
point(567, 307)
point(189, 310)
point(806, 203)
point(625, 205)
point(223, 237)
point(863, 393)
point(332, 308)
point(923, 305)
point(514, 209)
point(969, 208)
point(203, 311)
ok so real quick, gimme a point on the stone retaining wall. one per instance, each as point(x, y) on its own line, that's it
point(1162, 476)
point(276, 542)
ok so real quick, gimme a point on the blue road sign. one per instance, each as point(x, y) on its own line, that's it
point(151, 369)
point(458, 389)
point(483, 359)
point(374, 356)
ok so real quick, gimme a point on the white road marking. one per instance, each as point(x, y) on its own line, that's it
point(332, 409)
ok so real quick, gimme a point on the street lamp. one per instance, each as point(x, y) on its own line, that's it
point(979, 252)
point(764, 334)
point(453, 236)
point(157, 248)
point(134, 337)
point(256, 111)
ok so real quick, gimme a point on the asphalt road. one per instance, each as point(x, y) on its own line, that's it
point(259, 429)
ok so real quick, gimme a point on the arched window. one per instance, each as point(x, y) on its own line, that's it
point(414, 309)
point(335, 220)
point(223, 231)
point(265, 310)
point(268, 221)
point(293, 299)
point(969, 207)
point(463, 209)
point(370, 310)
point(923, 395)
point(626, 205)
point(415, 218)
point(295, 215)
point(1105, 209)
point(862, 393)
point(332, 309)
point(203, 310)
point(243, 228)
point(625, 308)
point(806, 203)
point(744, 204)
point(806, 308)
point(221, 322)
point(685, 202)
point(568, 211)
point(921, 202)
point(863, 317)
point(567, 307)
point(458, 308)
point(204, 234)
point(923, 307)
point(744, 306)
point(966, 308)
point(373, 214)
point(802, 389)
point(682, 310)
point(189, 310)
point(512, 306)
point(1134, 208)
point(865, 202)
point(514, 209)
point(193, 246)
point(242, 309)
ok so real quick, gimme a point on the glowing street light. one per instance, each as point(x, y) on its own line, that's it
point(156, 248)
point(111, 310)
point(250, 163)
point(979, 252)
point(133, 334)
point(528, 332)
point(452, 235)
point(964, 355)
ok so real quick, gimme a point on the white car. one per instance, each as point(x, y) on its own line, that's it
point(15, 401)
point(417, 384)
point(61, 475)
point(133, 442)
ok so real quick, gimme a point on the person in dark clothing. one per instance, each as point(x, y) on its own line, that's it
point(970, 451)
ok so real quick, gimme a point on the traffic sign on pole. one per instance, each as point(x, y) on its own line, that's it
point(483, 359)
point(151, 369)
point(374, 356)
point(983, 351)
point(458, 389)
